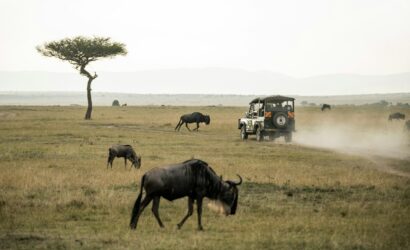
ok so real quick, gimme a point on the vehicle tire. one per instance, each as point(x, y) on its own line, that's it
point(244, 135)
point(259, 135)
point(288, 137)
point(280, 120)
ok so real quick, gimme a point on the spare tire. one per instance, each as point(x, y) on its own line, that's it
point(280, 120)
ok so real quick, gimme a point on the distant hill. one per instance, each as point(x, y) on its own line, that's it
point(106, 99)
point(207, 81)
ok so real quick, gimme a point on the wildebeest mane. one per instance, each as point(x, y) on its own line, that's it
point(204, 174)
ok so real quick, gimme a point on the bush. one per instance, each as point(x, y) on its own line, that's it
point(116, 103)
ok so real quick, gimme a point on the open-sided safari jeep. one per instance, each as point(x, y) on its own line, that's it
point(269, 118)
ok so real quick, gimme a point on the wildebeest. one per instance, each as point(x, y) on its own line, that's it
point(396, 116)
point(326, 106)
point(196, 117)
point(126, 152)
point(407, 125)
point(193, 178)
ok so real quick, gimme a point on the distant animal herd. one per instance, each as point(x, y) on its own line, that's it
point(400, 116)
point(397, 116)
point(193, 178)
point(392, 116)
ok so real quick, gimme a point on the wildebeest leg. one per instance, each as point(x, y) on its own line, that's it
point(190, 211)
point(199, 211)
point(144, 203)
point(186, 125)
point(197, 126)
point(110, 159)
point(155, 206)
point(128, 156)
point(132, 161)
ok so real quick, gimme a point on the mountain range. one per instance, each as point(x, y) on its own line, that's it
point(207, 81)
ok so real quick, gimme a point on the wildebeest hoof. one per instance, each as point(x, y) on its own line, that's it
point(178, 226)
point(200, 228)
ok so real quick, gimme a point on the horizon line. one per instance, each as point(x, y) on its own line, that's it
point(205, 68)
point(207, 94)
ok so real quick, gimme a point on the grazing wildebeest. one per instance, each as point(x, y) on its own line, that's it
point(193, 178)
point(191, 118)
point(126, 152)
point(396, 116)
point(326, 106)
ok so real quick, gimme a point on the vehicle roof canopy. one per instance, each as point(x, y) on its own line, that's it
point(272, 98)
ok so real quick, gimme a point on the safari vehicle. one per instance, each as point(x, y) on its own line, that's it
point(269, 118)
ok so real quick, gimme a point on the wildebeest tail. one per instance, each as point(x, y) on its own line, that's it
point(180, 120)
point(137, 206)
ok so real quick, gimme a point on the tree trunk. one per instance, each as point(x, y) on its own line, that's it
point(90, 102)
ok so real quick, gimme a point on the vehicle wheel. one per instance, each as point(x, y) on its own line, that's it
point(280, 120)
point(288, 137)
point(259, 135)
point(244, 135)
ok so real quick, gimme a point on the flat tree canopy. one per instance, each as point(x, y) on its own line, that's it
point(80, 51)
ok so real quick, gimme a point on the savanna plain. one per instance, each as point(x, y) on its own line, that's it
point(343, 183)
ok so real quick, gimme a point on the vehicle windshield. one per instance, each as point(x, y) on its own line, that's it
point(255, 109)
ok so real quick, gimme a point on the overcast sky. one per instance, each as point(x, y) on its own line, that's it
point(297, 38)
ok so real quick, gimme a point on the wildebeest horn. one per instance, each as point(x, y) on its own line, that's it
point(236, 183)
point(240, 180)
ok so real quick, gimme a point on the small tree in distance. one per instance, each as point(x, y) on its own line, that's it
point(80, 51)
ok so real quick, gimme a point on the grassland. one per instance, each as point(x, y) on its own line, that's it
point(56, 192)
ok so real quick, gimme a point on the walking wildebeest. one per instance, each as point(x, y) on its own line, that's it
point(126, 152)
point(191, 118)
point(396, 116)
point(193, 178)
point(326, 106)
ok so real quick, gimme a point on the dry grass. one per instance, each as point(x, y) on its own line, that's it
point(57, 193)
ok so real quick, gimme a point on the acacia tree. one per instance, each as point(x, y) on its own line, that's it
point(80, 51)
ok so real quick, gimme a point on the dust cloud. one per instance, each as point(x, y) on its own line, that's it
point(389, 141)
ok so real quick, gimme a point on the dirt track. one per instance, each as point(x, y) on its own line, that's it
point(383, 160)
point(384, 164)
